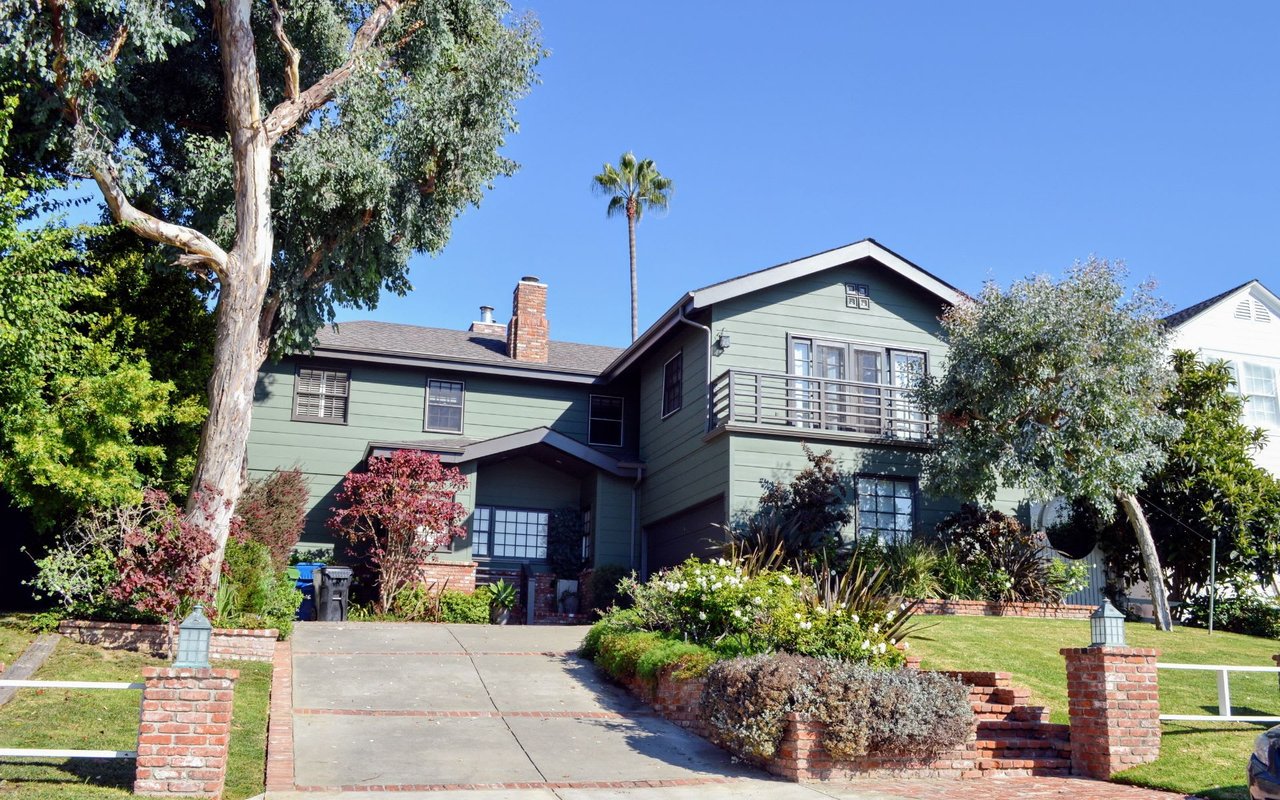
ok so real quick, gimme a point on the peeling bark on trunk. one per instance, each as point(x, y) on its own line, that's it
point(240, 346)
point(1150, 560)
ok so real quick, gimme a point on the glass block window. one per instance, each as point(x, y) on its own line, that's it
point(1258, 383)
point(518, 534)
point(886, 508)
point(673, 384)
point(444, 406)
point(605, 424)
point(321, 394)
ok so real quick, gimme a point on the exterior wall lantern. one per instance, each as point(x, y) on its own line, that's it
point(723, 341)
point(193, 640)
point(1107, 624)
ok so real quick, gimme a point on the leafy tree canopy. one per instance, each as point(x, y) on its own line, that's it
point(382, 138)
point(85, 420)
point(1208, 487)
point(1051, 387)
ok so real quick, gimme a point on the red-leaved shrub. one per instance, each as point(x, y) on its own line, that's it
point(399, 512)
point(272, 512)
point(159, 564)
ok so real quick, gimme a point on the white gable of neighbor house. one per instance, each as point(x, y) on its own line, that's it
point(1243, 328)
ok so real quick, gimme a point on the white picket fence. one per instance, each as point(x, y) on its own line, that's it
point(20, 752)
point(1224, 694)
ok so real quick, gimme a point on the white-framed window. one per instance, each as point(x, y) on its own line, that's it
point(849, 386)
point(886, 508)
point(320, 395)
point(444, 406)
point(518, 534)
point(604, 423)
point(1258, 384)
point(673, 384)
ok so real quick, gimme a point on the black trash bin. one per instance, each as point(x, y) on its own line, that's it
point(332, 591)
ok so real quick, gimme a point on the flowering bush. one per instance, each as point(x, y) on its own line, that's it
point(738, 610)
point(399, 512)
point(901, 712)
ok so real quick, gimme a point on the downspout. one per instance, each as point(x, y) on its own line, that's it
point(707, 379)
point(635, 519)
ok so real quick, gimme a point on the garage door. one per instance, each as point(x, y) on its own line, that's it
point(691, 532)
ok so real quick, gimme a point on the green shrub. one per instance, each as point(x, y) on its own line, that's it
point(616, 622)
point(739, 611)
point(1006, 560)
point(1250, 614)
point(602, 587)
point(252, 593)
point(646, 655)
point(902, 713)
point(459, 607)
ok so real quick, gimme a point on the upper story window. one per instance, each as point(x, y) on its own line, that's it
point(320, 395)
point(847, 361)
point(673, 385)
point(1258, 383)
point(444, 406)
point(886, 508)
point(604, 426)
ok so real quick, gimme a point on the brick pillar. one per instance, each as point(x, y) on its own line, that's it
point(1114, 703)
point(185, 731)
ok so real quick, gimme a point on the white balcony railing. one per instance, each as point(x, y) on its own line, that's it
point(776, 401)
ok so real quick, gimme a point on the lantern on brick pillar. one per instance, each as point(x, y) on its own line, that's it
point(193, 640)
point(1107, 624)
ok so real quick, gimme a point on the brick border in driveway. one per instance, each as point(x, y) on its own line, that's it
point(280, 721)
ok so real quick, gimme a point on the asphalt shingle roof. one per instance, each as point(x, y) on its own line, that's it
point(395, 338)
point(1178, 317)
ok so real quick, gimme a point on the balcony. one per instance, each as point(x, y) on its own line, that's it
point(789, 405)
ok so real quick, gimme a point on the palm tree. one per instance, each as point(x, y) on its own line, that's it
point(631, 187)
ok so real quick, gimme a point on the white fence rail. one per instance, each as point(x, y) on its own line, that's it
point(23, 752)
point(1224, 694)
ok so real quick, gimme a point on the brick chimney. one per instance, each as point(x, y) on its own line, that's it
point(486, 325)
point(527, 333)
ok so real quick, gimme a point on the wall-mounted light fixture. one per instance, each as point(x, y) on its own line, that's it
point(722, 341)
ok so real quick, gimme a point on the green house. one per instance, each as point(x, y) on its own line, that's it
point(658, 445)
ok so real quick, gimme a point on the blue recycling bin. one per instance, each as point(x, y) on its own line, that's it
point(305, 583)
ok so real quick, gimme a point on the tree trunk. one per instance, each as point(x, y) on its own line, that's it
point(1150, 559)
point(635, 294)
point(241, 345)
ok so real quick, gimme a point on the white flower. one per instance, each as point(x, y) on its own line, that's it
point(875, 628)
point(906, 645)
point(821, 609)
point(853, 617)
point(786, 579)
point(882, 647)
point(889, 616)
point(865, 644)
point(702, 615)
point(804, 626)
point(737, 612)
point(799, 615)
point(893, 641)
point(757, 600)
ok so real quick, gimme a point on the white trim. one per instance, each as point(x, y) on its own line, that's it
point(426, 406)
point(824, 261)
point(19, 752)
point(622, 420)
point(69, 685)
point(663, 394)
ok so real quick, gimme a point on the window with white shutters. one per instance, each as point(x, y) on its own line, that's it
point(320, 395)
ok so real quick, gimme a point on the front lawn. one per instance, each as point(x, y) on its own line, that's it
point(14, 637)
point(85, 719)
point(1202, 758)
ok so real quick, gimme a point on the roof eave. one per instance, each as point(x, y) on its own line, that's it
point(399, 358)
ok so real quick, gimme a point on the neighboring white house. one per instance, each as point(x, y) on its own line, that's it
point(1241, 326)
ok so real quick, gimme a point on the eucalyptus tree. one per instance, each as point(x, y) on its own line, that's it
point(632, 186)
point(295, 154)
point(1056, 388)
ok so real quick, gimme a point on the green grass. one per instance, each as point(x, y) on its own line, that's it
point(87, 719)
point(1206, 759)
point(14, 637)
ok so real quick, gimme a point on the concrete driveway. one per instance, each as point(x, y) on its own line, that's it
point(484, 712)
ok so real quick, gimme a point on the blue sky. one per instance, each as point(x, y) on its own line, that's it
point(981, 140)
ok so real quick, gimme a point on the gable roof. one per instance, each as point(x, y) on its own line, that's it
point(1179, 318)
point(781, 273)
point(415, 341)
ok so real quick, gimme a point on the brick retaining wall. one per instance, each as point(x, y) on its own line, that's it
point(225, 644)
point(1008, 738)
point(988, 608)
point(456, 575)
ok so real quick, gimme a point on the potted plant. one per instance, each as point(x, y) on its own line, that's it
point(568, 602)
point(502, 599)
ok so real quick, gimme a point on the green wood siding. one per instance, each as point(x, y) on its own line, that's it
point(901, 315)
point(680, 469)
point(387, 404)
point(611, 508)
